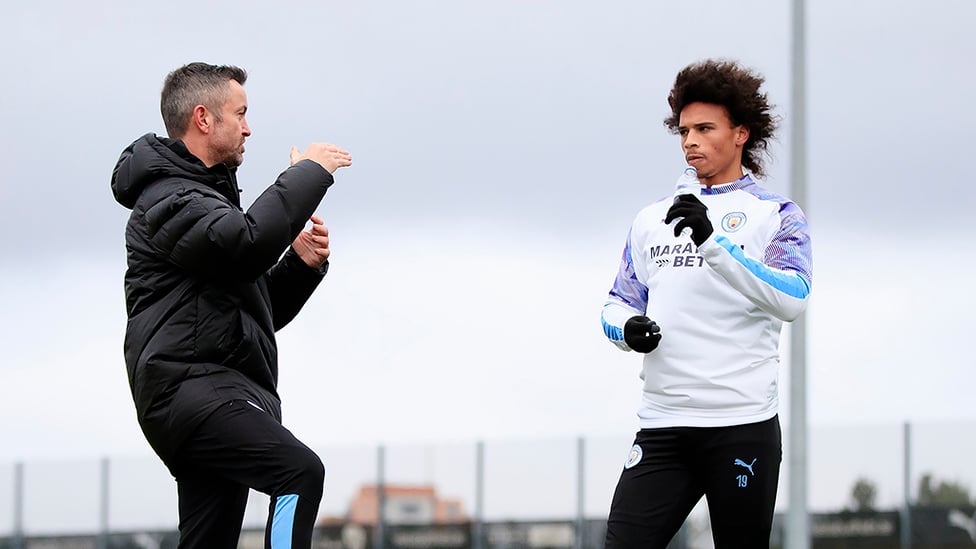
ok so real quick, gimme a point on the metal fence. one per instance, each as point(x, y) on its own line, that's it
point(503, 486)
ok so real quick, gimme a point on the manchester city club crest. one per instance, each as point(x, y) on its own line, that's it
point(733, 221)
point(635, 456)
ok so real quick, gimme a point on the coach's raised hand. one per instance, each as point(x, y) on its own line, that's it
point(326, 155)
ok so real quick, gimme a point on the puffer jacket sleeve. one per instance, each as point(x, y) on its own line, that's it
point(290, 284)
point(202, 232)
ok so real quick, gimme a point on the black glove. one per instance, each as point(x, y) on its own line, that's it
point(642, 334)
point(691, 213)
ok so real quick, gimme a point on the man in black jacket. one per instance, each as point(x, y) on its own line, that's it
point(207, 287)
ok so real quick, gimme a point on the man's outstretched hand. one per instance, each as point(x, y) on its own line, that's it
point(326, 155)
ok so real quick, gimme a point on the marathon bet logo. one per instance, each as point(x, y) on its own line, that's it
point(679, 255)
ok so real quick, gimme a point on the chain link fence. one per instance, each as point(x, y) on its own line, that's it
point(538, 493)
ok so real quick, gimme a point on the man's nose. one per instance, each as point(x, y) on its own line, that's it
point(245, 129)
point(691, 140)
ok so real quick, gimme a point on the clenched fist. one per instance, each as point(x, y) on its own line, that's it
point(642, 334)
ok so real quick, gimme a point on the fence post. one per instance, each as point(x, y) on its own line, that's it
point(18, 542)
point(580, 494)
point(102, 542)
point(380, 541)
point(479, 495)
point(906, 510)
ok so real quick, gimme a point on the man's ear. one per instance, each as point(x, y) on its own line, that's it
point(742, 135)
point(202, 119)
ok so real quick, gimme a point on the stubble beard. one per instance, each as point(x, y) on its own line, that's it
point(234, 159)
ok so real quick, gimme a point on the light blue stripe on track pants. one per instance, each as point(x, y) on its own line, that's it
point(237, 447)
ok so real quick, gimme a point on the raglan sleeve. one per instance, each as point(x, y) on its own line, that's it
point(628, 297)
point(780, 283)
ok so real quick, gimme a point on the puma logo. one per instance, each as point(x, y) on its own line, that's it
point(959, 519)
point(748, 466)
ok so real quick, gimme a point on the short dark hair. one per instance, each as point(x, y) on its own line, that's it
point(191, 85)
point(726, 83)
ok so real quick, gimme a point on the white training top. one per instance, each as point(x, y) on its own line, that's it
point(720, 307)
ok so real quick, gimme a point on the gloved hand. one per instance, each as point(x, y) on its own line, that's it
point(642, 334)
point(691, 213)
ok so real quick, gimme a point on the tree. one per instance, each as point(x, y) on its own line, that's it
point(943, 494)
point(863, 495)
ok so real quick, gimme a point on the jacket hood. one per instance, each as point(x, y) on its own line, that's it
point(151, 158)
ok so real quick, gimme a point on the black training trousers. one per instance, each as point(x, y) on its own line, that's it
point(669, 470)
point(238, 447)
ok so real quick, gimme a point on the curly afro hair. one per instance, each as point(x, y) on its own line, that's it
point(736, 88)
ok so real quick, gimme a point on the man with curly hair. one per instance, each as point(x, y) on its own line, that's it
point(707, 278)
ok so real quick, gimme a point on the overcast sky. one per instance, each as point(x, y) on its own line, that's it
point(501, 150)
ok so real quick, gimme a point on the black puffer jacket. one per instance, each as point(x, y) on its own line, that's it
point(207, 285)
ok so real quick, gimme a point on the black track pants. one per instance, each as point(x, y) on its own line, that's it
point(736, 469)
point(239, 447)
